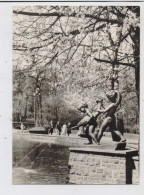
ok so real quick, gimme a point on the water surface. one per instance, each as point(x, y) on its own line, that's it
point(39, 163)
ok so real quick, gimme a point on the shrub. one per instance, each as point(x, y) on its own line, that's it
point(127, 129)
point(135, 129)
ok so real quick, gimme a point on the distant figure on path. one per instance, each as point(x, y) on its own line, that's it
point(68, 129)
point(64, 129)
point(22, 127)
point(110, 120)
point(58, 127)
point(51, 127)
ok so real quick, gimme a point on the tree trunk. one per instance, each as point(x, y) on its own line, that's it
point(25, 112)
point(40, 109)
point(56, 111)
point(136, 39)
point(112, 83)
point(35, 110)
point(137, 81)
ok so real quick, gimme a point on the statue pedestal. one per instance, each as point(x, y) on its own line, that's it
point(102, 165)
point(114, 145)
point(120, 145)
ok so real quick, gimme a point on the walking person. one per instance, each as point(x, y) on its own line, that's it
point(58, 127)
point(68, 129)
point(22, 127)
point(51, 127)
point(64, 129)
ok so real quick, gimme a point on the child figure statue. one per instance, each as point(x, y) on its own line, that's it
point(89, 122)
point(110, 120)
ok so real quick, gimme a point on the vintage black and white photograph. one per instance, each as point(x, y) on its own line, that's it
point(76, 94)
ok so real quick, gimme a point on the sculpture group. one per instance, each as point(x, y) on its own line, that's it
point(88, 125)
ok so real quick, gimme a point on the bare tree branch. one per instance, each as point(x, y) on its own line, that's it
point(112, 21)
point(115, 62)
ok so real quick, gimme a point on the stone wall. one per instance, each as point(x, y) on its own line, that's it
point(89, 167)
point(135, 170)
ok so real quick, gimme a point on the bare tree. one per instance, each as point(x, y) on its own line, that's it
point(92, 46)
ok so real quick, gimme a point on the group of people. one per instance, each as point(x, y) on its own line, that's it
point(58, 129)
point(88, 124)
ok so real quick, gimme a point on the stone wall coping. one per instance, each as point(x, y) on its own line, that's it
point(72, 136)
point(90, 150)
point(136, 158)
point(48, 136)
